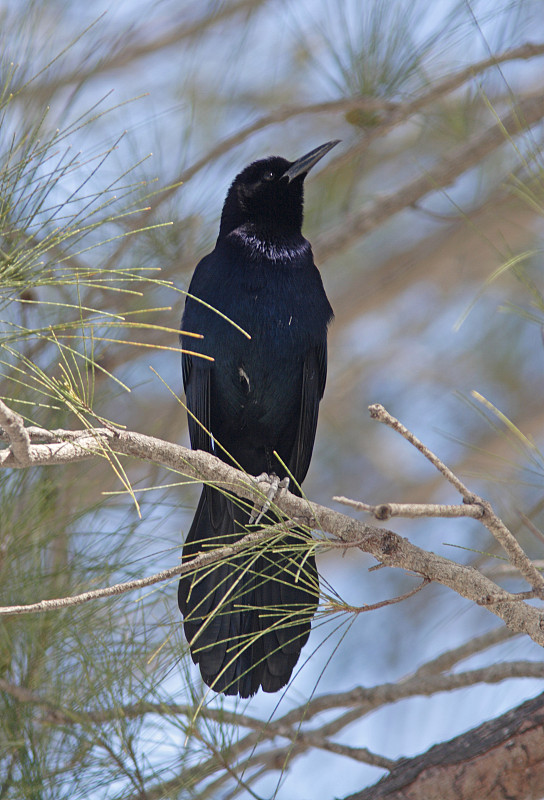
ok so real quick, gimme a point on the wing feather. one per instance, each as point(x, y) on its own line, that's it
point(314, 375)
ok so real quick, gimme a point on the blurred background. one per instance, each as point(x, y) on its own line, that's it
point(121, 129)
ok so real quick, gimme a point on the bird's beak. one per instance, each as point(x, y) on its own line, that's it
point(303, 165)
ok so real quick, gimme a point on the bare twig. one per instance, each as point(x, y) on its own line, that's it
point(496, 526)
point(385, 511)
point(202, 560)
point(334, 608)
point(379, 413)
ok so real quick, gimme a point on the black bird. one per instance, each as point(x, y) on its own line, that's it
point(246, 620)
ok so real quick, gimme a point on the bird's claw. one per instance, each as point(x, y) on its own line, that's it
point(276, 487)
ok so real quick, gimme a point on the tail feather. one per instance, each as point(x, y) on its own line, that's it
point(246, 620)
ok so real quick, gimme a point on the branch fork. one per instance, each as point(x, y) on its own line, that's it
point(387, 547)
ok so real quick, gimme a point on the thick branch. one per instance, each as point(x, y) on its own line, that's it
point(503, 758)
point(16, 433)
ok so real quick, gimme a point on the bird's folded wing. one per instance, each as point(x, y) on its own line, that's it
point(196, 381)
point(314, 374)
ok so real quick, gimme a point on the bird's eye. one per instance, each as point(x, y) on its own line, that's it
point(268, 176)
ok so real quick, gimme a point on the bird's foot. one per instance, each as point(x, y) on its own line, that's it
point(276, 487)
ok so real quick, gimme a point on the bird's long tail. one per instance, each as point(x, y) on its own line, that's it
point(247, 617)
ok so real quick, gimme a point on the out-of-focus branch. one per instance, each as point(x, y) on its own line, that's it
point(457, 79)
point(446, 661)
point(362, 701)
point(141, 46)
point(424, 682)
point(393, 114)
point(527, 113)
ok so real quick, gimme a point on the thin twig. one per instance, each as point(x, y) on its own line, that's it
point(334, 608)
point(492, 522)
point(202, 560)
point(379, 413)
point(385, 511)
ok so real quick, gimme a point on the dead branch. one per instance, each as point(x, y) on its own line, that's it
point(387, 547)
point(384, 511)
point(496, 526)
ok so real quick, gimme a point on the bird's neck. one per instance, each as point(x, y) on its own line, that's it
point(269, 242)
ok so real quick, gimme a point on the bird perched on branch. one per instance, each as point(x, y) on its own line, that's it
point(255, 406)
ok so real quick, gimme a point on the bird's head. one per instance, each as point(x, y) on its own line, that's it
point(268, 194)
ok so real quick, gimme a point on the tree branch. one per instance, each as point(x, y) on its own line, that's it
point(503, 758)
point(394, 114)
point(495, 526)
point(526, 114)
point(16, 433)
point(387, 547)
point(202, 560)
point(385, 511)
point(141, 46)
point(361, 701)
point(364, 700)
point(446, 661)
